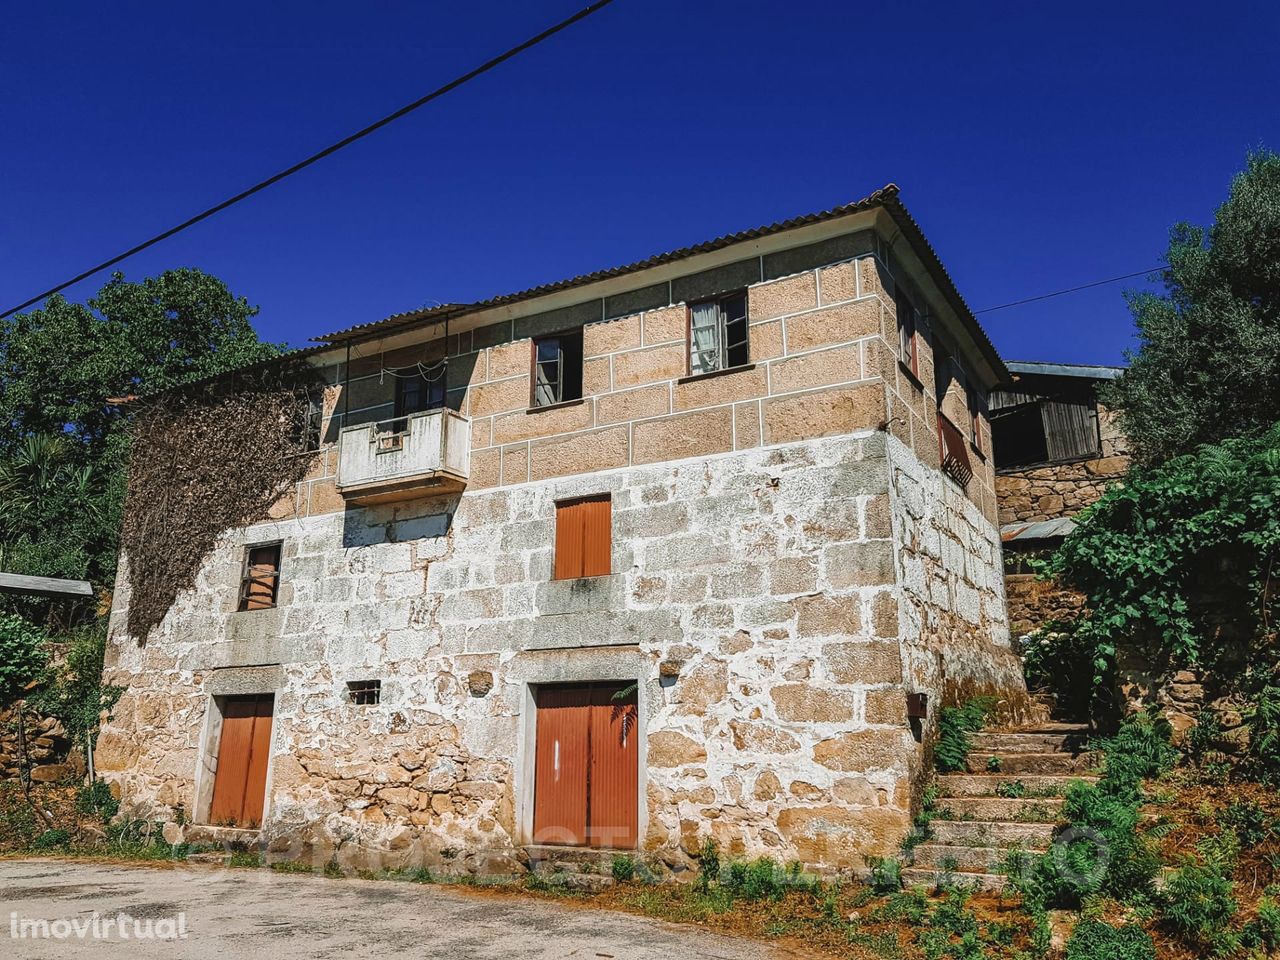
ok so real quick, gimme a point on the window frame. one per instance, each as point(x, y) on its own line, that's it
point(582, 570)
point(425, 386)
point(559, 336)
point(908, 323)
point(722, 325)
point(365, 693)
point(246, 577)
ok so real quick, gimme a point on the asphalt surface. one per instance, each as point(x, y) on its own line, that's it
point(230, 914)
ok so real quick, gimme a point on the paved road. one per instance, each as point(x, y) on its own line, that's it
point(230, 914)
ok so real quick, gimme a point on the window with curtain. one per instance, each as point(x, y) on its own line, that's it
point(718, 334)
point(557, 369)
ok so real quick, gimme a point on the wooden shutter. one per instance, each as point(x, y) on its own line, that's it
point(584, 538)
point(262, 572)
point(955, 459)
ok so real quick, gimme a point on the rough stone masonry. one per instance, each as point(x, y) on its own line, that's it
point(777, 590)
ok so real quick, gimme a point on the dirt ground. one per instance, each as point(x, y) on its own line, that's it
point(228, 914)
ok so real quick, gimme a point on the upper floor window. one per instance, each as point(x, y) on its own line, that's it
point(557, 369)
point(908, 332)
point(416, 393)
point(260, 577)
point(718, 334)
point(584, 538)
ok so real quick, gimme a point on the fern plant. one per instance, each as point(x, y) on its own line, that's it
point(956, 725)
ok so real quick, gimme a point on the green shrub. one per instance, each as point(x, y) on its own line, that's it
point(1267, 925)
point(1095, 940)
point(74, 692)
point(1263, 720)
point(955, 725)
point(52, 839)
point(22, 655)
point(1144, 553)
point(623, 867)
point(708, 864)
point(1251, 824)
point(759, 879)
point(96, 798)
point(1059, 660)
point(1199, 902)
point(1141, 749)
point(886, 875)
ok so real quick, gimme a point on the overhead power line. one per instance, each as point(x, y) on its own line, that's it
point(1059, 293)
point(316, 157)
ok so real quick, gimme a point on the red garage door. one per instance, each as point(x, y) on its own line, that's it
point(586, 769)
point(240, 782)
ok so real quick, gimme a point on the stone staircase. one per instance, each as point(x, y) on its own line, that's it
point(1009, 796)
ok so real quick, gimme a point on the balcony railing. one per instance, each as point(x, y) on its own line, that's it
point(417, 455)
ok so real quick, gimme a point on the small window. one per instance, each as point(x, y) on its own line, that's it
point(557, 369)
point(416, 393)
point(260, 577)
point(718, 334)
point(364, 693)
point(584, 538)
point(908, 332)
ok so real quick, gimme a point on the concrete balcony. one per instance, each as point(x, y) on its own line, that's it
point(419, 455)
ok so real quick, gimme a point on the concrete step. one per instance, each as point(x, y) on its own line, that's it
point(979, 833)
point(550, 859)
point(1040, 741)
point(1018, 763)
point(228, 838)
point(916, 877)
point(988, 784)
point(1020, 810)
point(936, 856)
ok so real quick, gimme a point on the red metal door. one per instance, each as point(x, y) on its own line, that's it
point(586, 775)
point(560, 774)
point(240, 783)
point(614, 774)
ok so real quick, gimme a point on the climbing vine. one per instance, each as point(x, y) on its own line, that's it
point(1181, 561)
point(206, 459)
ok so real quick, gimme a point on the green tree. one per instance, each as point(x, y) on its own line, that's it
point(68, 371)
point(1208, 365)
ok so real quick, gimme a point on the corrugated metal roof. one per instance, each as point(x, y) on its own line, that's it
point(1039, 530)
point(44, 586)
point(886, 197)
point(1083, 370)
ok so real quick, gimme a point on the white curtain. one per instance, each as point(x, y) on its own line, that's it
point(704, 343)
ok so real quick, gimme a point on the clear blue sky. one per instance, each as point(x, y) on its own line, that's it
point(1039, 145)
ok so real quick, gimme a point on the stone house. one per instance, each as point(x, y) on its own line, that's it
point(694, 547)
point(1057, 449)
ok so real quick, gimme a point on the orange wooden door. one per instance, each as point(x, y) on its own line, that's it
point(586, 766)
point(614, 775)
point(560, 766)
point(240, 782)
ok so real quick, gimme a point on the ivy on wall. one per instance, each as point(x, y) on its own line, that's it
point(206, 459)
